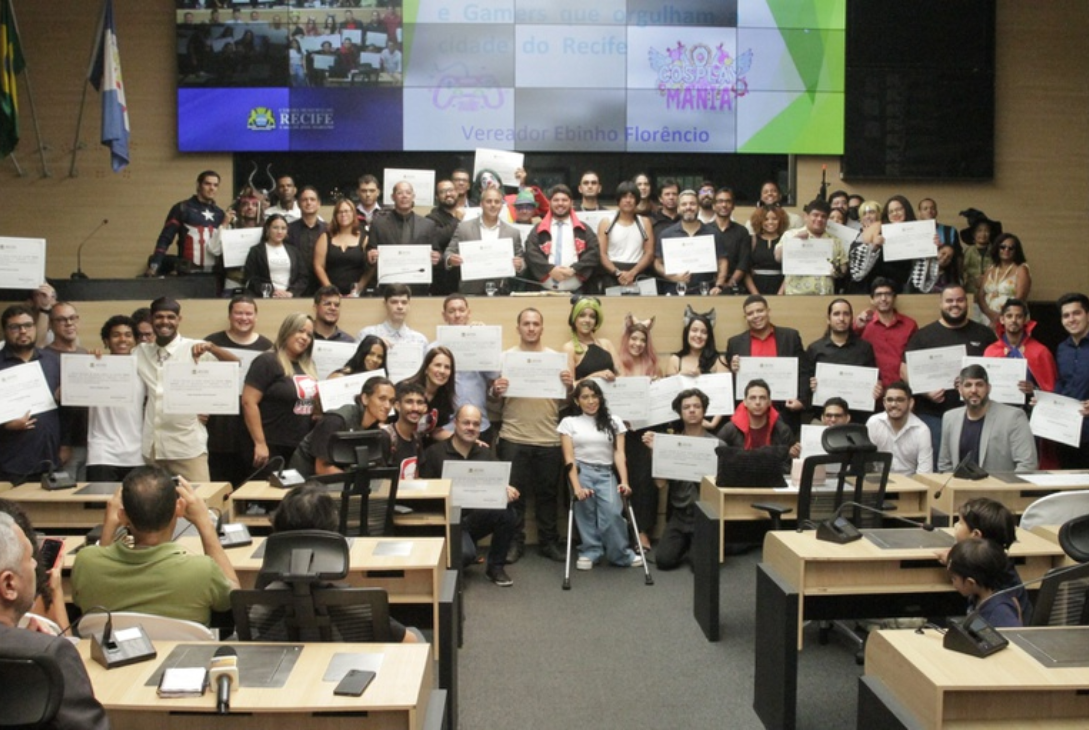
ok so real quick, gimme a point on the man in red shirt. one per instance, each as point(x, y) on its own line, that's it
point(885, 329)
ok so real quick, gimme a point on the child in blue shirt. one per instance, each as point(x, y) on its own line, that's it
point(976, 567)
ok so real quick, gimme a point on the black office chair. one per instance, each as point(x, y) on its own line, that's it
point(1063, 599)
point(1074, 538)
point(849, 447)
point(294, 600)
point(366, 509)
point(31, 688)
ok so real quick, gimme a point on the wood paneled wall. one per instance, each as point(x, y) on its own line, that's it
point(1040, 191)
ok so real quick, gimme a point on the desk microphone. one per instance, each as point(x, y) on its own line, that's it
point(840, 530)
point(953, 475)
point(975, 636)
point(387, 274)
point(884, 513)
point(78, 274)
point(223, 672)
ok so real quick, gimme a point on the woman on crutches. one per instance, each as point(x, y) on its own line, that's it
point(593, 445)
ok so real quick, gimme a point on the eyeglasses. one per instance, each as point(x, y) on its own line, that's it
point(20, 326)
point(67, 320)
point(892, 399)
point(834, 416)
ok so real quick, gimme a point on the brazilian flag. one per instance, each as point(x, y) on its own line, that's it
point(11, 65)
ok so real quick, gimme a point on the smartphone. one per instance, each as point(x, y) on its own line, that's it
point(49, 551)
point(354, 682)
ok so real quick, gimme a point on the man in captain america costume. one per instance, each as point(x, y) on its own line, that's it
point(191, 223)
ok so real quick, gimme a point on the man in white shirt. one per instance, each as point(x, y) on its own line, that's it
point(176, 442)
point(394, 330)
point(288, 206)
point(470, 386)
point(902, 433)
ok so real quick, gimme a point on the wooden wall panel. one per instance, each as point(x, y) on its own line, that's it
point(1041, 189)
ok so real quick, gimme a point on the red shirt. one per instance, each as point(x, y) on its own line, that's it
point(760, 437)
point(765, 347)
point(889, 343)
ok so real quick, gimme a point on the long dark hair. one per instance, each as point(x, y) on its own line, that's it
point(443, 400)
point(356, 364)
point(710, 352)
point(602, 419)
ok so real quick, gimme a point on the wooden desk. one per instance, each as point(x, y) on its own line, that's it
point(911, 681)
point(802, 578)
point(63, 509)
point(428, 498)
point(395, 699)
point(5, 486)
point(1016, 495)
point(734, 505)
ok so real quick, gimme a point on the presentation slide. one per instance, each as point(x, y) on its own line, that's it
point(759, 76)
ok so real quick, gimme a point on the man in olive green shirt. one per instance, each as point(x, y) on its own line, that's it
point(155, 575)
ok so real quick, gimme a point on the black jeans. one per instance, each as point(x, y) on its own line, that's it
point(535, 470)
point(499, 523)
point(675, 543)
point(107, 473)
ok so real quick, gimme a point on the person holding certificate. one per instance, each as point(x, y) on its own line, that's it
point(637, 358)
point(487, 227)
point(32, 440)
point(755, 424)
point(834, 267)
point(278, 398)
point(247, 212)
point(841, 346)
point(589, 356)
point(689, 226)
point(1072, 359)
point(627, 241)
point(114, 434)
point(437, 378)
point(593, 446)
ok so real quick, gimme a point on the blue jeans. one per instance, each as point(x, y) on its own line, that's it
point(600, 517)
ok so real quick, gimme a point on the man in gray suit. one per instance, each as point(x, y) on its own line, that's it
point(486, 227)
point(997, 435)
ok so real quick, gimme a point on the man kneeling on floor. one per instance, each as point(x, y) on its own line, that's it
point(477, 523)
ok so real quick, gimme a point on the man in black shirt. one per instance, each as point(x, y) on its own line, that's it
point(477, 523)
point(952, 328)
point(732, 238)
point(841, 346)
point(304, 233)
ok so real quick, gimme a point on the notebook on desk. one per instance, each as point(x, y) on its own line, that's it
point(259, 665)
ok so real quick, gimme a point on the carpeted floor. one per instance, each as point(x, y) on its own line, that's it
point(615, 653)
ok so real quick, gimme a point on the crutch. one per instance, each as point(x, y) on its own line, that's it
point(570, 526)
point(646, 568)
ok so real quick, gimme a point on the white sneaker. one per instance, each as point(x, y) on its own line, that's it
point(584, 564)
point(637, 562)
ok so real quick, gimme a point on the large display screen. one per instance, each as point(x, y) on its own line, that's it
point(760, 76)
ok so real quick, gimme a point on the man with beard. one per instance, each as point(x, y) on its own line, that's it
point(402, 226)
point(287, 205)
point(191, 222)
point(562, 252)
point(688, 226)
point(667, 213)
point(304, 233)
point(327, 315)
point(245, 213)
point(952, 328)
point(30, 444)
point(1015, 340)
point(706, 195)
point(887, 331)
point(997, 436)
point(901, 433)
point(446, 215)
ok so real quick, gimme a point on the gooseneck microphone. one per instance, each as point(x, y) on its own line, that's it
point(78, 274)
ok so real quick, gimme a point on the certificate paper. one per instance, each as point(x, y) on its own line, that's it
point(683, 458)
point(627, 398)
point(487, 259)
point(343, 391)
point(237, 243)
point(718, 387)
point(592, 218)
point(404, 264)
point(203, 387)
point(781, 374)
point(852, 383)
point(500, 162)
point(403, 360)
point(25, 389)
point(807, 256)
point(422, 182)
point(109, 381)
point(245, 359)
point(475, 348)
point(911, 240)
point(534, 374)
point(1057, 418)
point(660, 395)
point(936, 368)
point(811, 440)
point(477, 484)
point(846, 234)
point(22, 264)
point(1003, 373)
point(330, 356)
point(691, 254)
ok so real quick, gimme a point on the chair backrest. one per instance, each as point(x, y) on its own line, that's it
point(863, 478)
point(1074, 538)
point(1063, 599)
point(31, 687)
point(324, 614)
point(365, 494)
point(1055, 509)
point(304, 557)
point(157, 628)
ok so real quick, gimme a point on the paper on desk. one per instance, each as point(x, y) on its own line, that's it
point(394, 548)
point(1057, 480)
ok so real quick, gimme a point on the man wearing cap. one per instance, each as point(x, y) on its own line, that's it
point(561, 252)
point(523, 208)
point(995, 435)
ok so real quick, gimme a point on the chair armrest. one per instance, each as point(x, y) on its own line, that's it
point(774, 510)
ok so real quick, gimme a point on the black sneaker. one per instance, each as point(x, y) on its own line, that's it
point(515, 552)
point(552, 551)
point(499, 576)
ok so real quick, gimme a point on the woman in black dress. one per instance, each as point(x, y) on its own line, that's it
point(765, 274)
point(340, 254)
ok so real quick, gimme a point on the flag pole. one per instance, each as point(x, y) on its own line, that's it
point(33, 112)
point(77, 145)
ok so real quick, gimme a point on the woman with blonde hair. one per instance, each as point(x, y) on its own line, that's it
point(340, 254)
point(638, 358)
point(281, 386)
